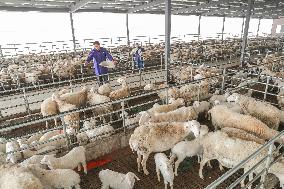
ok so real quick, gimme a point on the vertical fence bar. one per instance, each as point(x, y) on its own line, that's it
point(82, 72)
point(267, 163)
point(26, 101)
point(161, 61)
point(65, 132)
point(266, 87)
point(123, 115)
point(223, 80)
point(245, 38)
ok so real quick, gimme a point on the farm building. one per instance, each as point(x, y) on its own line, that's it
point(176, 109)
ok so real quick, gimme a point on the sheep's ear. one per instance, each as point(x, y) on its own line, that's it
point(54, 97)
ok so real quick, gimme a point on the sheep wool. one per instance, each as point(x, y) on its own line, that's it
point(117, 180)
point(159, 137)
point(263, 111)
point(222, 116)
point(164, 166)
point(75, 158)
point(59, 178)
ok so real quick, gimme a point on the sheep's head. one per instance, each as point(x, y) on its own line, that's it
point(233, 97)
point(12, 158)
point(82, 138)
point(130, 178)
point(172, 100)
point(22, 141)
point(193, 126)
point(47, 159)
point(145, 117)
point(196, 104)
point(217, 102)
point(149, 87)
point(203, 130)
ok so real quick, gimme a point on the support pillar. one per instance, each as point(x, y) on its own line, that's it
point(258, 26)
point(245, 38)
point(199, 18)
point(223, 28)
point(73, 33)
point(167, 39)
point(242, 27)
point(127, 31)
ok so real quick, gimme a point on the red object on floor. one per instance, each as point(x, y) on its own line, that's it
point(99, 163)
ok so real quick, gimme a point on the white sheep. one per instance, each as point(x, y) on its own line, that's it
point(75, 158)
point(159, 137)
point(229, 152)
point(49, 107)
point(173, 105)
point(34, 137)
point(79, 98)
point(172, 92)
point(87, 135)
point(46, 136)
point(102, 106)
point(164, 166)
point(194, 91)
point(201, 107)
point(122, 92)
point(90, 124)
point(232, 106)
point(105, 89)
point(220, 98)
point(117, 180)
point(185, 149)
point(222, 116)
point(12, 156)
point(267, 113)
point(34, 160)
point(179, 115)
point(71, 119)
point(58, 178)
point(131, 122)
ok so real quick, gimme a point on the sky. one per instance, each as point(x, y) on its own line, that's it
point(29, 27)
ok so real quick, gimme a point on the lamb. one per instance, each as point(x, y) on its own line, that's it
point(220, 98)
point(241, 134)
point(173, 92)
point(72, 119)
point(49, 107)
point(201, 107)
point(164, 166)
point(159, 137)
point(79, 99)
point(229, 152)
point(59, 178)
point(194, 91)
point(117, 180)
point(179, 115)
point(85, 136)
point(34, 137)
point(167, 108)
point(185, 149)
point(105, 89)
point(12, 156)
point(75, 158)
point(222, 116)
point(35, 159)
point(46, 136)
point(90, 124)
point(263, 111)
point(102, 106)
point(232, 106)
point(123, 92)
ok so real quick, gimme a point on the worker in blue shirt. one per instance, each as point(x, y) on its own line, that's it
point(137, 56)
point(98, 55)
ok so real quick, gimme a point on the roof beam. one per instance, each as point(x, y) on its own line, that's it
point(79, 5)
point(194, 8)
point(146, 6)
